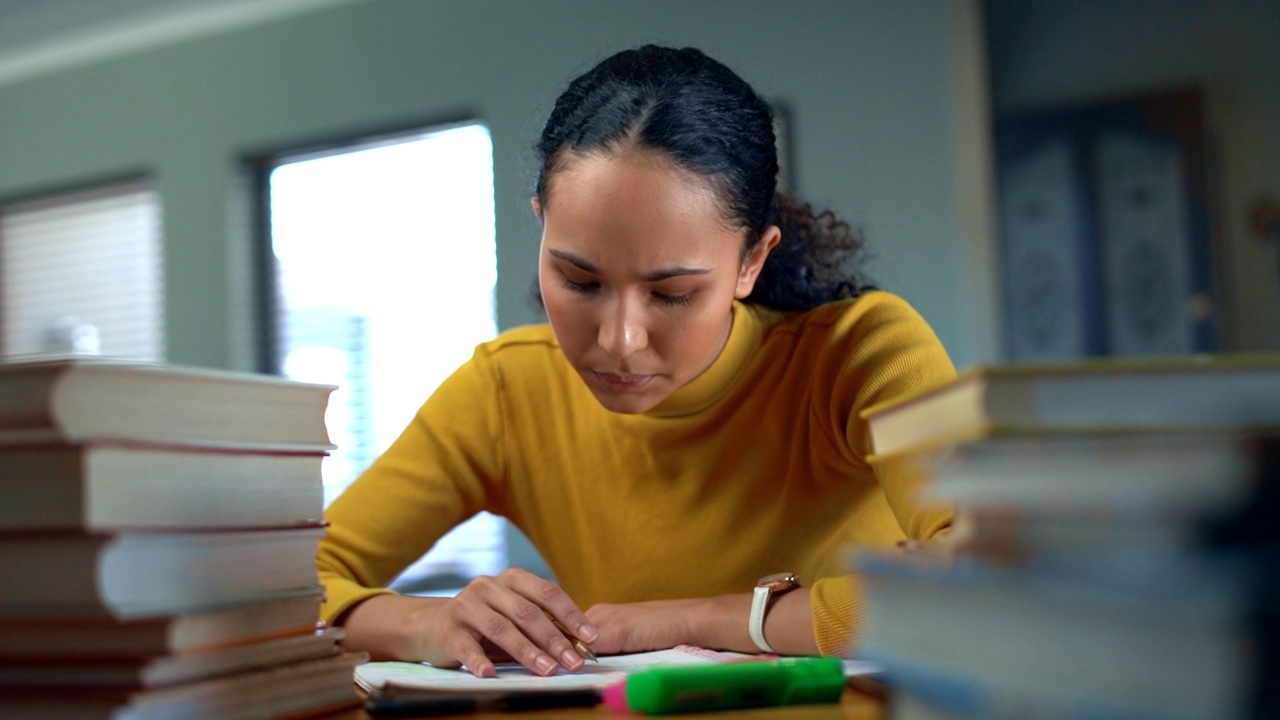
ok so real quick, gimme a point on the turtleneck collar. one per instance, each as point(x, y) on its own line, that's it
point(745, 336)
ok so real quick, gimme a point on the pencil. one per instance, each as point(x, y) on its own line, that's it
point(578, 645)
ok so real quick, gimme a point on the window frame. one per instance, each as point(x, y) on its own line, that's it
point(260, 165)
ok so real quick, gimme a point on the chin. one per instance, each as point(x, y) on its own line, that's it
point(625, 403)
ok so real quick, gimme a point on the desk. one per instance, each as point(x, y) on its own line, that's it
point(853, 706)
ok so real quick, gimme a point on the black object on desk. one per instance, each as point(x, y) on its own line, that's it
point(456, 704)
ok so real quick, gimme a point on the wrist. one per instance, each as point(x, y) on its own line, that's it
point(769, 589)
point(392, 627)
point(720, 623)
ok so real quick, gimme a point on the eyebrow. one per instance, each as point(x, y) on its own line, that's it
point(651, 276)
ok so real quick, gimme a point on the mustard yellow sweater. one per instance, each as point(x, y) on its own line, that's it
point(758, 465)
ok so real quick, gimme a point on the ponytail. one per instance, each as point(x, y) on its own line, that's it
point(817, 261)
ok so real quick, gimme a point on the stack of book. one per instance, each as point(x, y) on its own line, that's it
point(158, 535)
point(1119, 548)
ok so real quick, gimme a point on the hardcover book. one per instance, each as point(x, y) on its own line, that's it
point(151, 573)
point(85, 399)
point(1206, 393)
point(36, 639)
point(117, 486)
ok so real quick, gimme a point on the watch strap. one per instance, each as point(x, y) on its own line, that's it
point(759, 604)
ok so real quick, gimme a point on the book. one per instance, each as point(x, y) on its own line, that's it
point(115, 486)
point(1153, 474)
point(166, 670)
point(1120, 554)
point(311, 687)
point(1100, 540)
point(153, 573)
point(1206, 393)
point(1125, 576)
point(1166, 644)
point(86, 399)
point(79, 638)
point(158, 533)
point(936, 697)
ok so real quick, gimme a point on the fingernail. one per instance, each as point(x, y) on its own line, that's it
point(545, 665)
point(570, 659)
point(587, 632)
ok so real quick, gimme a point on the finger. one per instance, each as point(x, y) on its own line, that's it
point(508, 623)
point(555, 601)
point(468, 652)
point(536, 624)
point(610, 639)
point(499, 629)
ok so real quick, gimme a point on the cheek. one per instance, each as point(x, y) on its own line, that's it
point(696, 337)
point(569, 321)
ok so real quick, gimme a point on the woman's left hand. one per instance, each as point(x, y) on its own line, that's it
point(642, 626)
point(717, 623)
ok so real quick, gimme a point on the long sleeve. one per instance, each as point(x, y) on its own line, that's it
point(444, 468)
point(758, 465)
point(891, 352)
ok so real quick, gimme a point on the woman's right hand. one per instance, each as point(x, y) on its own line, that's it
point(508, 615)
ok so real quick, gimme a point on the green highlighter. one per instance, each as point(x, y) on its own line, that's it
point(724, 686)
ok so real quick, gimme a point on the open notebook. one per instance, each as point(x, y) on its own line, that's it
point(402, 678)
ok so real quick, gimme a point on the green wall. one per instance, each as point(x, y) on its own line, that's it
point(887, 104)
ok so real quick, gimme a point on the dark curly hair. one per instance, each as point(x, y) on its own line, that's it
point(709, 121)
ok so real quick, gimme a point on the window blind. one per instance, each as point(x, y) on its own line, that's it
point(83, 273)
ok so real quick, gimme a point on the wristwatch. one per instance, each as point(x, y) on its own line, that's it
point(768, 589)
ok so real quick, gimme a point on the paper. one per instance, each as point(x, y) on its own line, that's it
point(392, 678)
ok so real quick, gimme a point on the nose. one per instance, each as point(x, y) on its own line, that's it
point(622, 329)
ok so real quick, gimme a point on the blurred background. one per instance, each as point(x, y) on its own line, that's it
point(338, 190)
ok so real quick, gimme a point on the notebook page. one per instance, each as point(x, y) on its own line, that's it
point(392, 678)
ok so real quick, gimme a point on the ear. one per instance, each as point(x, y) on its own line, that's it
point(537, 207)
point(754, 262)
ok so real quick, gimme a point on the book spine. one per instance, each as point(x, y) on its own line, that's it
point(26, 399)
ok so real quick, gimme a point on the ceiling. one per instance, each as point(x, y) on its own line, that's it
point(42, 36)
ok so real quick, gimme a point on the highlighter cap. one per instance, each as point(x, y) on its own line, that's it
point(746, 684)
point(817, 680)
point(615, 697)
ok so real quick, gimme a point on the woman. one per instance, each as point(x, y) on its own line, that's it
point(686, 424)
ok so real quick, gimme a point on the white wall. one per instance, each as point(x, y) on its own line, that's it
point(887, 102)
point(1049, 52)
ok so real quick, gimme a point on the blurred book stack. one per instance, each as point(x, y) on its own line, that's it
point(1121, 552)
point(158, 534)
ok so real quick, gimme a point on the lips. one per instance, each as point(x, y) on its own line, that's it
point(622, 383)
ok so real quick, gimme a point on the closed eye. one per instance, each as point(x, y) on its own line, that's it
point(584, 288)
point(674, 300)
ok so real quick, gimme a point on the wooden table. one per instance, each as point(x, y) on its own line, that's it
point(855, 705)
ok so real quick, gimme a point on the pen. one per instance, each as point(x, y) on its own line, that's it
point(578, 645)
point(456, 704)
point(724, 686)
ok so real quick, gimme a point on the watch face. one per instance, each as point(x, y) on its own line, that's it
point(779, 581)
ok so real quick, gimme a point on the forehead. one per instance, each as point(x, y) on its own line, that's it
point(634, 197)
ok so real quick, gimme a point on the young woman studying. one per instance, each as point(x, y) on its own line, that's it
point(682, 440)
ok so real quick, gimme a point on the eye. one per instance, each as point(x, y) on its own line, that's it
point(583, 287)
point(674, 300)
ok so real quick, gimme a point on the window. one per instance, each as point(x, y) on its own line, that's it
point(83, 273)
point(386, 265)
